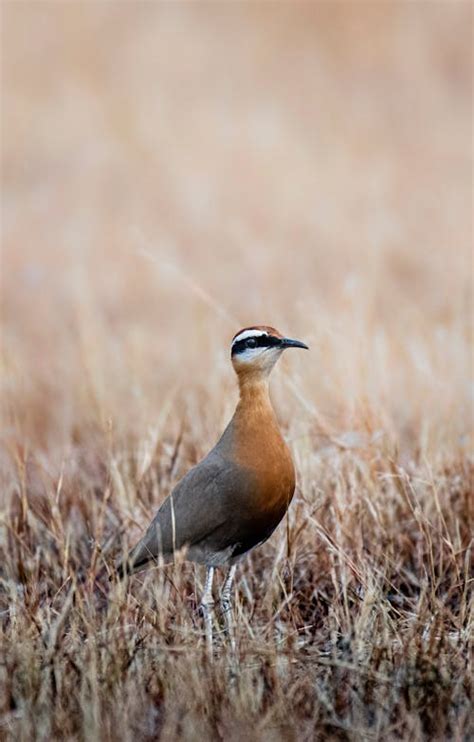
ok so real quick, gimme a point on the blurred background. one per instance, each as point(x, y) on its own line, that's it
point(172, 172)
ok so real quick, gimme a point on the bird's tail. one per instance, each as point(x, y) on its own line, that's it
point(123, 568)
point(130, 564)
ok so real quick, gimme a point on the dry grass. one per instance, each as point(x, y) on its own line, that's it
point(171, 172)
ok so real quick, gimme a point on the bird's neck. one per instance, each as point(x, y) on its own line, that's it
point(254, 426)
point(254, 396)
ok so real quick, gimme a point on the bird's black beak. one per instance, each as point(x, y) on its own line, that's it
point(289, 343)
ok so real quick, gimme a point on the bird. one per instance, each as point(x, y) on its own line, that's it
point(236, 496)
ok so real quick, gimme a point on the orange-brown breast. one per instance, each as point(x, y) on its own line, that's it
point(259, 446)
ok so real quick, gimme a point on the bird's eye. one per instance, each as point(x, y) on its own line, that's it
point(251, 343)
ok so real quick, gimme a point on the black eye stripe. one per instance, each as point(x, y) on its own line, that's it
point(260, 341)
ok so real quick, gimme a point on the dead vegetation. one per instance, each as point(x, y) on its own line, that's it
point(170, 174)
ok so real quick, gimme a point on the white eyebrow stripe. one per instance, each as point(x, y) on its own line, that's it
point(248, 334)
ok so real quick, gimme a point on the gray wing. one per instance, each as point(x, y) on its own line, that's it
point(200, 513)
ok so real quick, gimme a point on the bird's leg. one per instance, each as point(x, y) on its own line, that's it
point(226, 605)
point(226, 593)
point(207, 608)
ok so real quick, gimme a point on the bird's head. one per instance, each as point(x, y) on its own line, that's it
point(255, 350)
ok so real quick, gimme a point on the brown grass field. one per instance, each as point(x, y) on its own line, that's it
point(170, 173)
